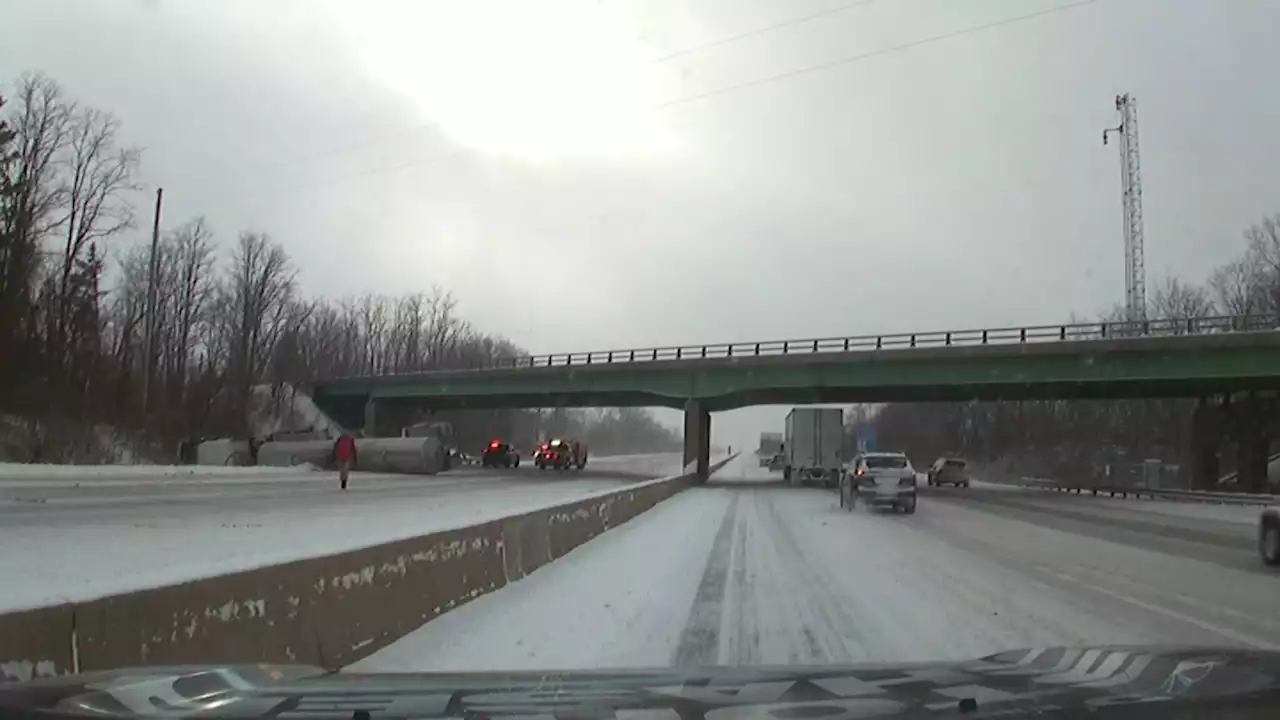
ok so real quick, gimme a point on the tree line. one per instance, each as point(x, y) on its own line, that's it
point(1073, 439)
point(102, 337)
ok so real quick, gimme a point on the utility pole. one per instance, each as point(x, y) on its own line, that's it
point(148, 353)
point(1135, 296)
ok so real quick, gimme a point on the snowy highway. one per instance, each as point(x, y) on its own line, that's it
point(73, 533)
point(747, 571)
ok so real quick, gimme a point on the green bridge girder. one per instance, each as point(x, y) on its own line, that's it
point(1149, 366)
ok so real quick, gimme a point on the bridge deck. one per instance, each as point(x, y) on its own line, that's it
point(1061, 362)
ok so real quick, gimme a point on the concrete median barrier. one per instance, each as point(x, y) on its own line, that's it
point(329, 611)
point(37, 643)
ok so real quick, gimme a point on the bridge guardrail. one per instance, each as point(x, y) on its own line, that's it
point(1223, 498)
point(938, 338)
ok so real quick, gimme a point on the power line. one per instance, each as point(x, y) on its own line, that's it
point(341, 149)
point(874, 53)
point(761, 31)
point(370, 172)
point(849, 60)
point(264, 169)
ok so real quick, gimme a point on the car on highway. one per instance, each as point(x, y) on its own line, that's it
point(879, 480)
point(560, 454)
point(500, 454)
point(1269, 536)
point(948, 471)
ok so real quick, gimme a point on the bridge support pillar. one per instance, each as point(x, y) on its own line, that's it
point(370, 418)
point(1252, 446)
point(697, 438)
point(1206, 436)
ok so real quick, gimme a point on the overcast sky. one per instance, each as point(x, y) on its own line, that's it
point(722, 194)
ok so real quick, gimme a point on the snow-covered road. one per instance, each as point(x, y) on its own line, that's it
point(747, 571)
point(69, 536)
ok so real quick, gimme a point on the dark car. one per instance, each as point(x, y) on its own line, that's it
point(500, 454)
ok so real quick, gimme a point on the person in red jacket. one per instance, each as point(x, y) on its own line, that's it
point(344, 452)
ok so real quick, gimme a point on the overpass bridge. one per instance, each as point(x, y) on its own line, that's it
point(1207, 358)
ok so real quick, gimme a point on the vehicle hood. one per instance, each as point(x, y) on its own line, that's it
point(1023, 683)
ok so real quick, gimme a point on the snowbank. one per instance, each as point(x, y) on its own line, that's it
point(131, 472)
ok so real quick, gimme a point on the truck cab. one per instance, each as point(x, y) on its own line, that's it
point(444, 435)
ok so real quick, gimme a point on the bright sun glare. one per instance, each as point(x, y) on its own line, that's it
point(547, 78)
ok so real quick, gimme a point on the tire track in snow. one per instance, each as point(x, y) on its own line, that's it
point(826, 627)
point(744, 644)
point(700, 640)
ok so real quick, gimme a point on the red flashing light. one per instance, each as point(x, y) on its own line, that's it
point(495, 444)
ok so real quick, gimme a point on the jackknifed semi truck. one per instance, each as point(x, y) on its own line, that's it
point(770, 445)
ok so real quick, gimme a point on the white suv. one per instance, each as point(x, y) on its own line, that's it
point(880, 480)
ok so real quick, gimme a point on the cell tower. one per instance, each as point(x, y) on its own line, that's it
point(1135, 272)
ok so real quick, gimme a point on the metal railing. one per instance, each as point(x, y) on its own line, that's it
point(856, 343)
point(1205, 496)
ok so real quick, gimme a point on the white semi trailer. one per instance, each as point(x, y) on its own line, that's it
point(813, 442)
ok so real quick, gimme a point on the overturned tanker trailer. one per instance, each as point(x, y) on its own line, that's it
point(410, 455)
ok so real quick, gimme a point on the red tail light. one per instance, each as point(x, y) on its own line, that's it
point(495, 444)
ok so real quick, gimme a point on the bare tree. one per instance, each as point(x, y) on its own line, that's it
point(407, 335)
point(1238, 288)
point(1264, 251)
point(40, 124)
point(259, 287)
point(191, 247)
point(126, 307)
point(374, 322)
point(34, 192)
point(444, 333)
point(1177, 300)
point(100, 176)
